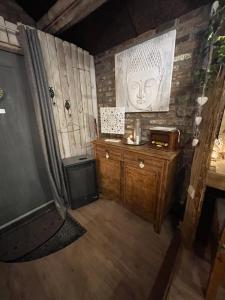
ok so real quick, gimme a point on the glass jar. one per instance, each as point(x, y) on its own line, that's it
point(137, 131)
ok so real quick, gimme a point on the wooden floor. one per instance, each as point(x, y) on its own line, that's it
point(191, 279)
point(118, 258)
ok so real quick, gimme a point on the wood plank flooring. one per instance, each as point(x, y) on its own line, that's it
point(191, 279)
point(118, 258)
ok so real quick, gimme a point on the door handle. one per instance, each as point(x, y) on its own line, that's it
point(141, 164)
point(107, 155)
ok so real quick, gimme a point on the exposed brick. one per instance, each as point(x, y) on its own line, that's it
point(109, 94)
point(190, 30)
point(200, 13)
point(184, 99)
point(166, 26)
point(183, 39)
point(187, 46)
point(184, 111)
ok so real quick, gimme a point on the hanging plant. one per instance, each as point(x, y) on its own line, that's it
point(213, 60)
point(219, 56)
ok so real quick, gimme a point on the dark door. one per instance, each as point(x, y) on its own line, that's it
point(23, 179)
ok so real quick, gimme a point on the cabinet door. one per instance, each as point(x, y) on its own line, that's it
point(141, 190)
point(109, 172)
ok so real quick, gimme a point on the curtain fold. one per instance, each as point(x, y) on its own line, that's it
point(34, 62)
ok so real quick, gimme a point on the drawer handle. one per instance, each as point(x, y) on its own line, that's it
point(141, 164)
point(107, 155)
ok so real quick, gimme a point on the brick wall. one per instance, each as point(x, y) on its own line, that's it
point(190, 30)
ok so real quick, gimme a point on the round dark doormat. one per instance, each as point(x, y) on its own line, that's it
point(70, 231)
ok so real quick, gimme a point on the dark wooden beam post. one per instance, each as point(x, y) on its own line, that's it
point(65, 13)
point(167, 270)
point(211, 118)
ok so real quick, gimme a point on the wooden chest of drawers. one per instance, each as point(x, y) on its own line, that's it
point(138, 177)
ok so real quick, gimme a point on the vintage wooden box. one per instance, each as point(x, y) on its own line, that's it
point(164, 138)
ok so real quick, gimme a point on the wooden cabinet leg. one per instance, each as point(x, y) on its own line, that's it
point(216, 276)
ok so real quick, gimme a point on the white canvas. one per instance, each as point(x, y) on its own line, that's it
point(112, 120)
point(144, 74)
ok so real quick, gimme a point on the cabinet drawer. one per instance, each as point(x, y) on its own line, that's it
point(142, 161)
point(108, 153)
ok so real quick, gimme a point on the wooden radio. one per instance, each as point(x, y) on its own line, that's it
point(164, 138)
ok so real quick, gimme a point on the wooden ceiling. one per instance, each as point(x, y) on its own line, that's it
point(113, 22)
point(36, 9)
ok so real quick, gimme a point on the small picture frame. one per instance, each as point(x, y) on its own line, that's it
point(112, 120)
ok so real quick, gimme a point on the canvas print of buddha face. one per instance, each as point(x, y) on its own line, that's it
point(144, 74)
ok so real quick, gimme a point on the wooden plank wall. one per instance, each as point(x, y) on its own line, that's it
point(71, 74)
point(8, 38)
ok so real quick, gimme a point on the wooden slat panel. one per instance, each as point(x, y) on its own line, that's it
point(80, 54)
point(91, 120)
point(71, 73)
point(11, 29)
point(65, 96)
point(3, 33)
point(85, 107)
point(86, 60)
point(79, 103)
point(49, 70)
point(58, 94)
point(84, 96)
point(93, 89)
point(72, 96)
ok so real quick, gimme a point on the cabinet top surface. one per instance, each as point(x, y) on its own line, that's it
point(144, 149)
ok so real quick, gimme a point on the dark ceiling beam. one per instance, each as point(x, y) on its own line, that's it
point(129, 13)
point(65, 13)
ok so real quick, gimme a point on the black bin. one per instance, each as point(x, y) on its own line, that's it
point(81, 180)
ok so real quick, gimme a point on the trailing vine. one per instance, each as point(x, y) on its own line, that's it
point(212, 59)
point(214, 49)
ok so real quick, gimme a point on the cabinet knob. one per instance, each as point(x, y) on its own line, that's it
point(141, 164)
point(107, 155)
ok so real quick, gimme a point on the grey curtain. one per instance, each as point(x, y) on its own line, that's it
point(34, 62)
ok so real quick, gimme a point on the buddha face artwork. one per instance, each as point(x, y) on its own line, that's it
point(144, 77)
point(144, 74)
